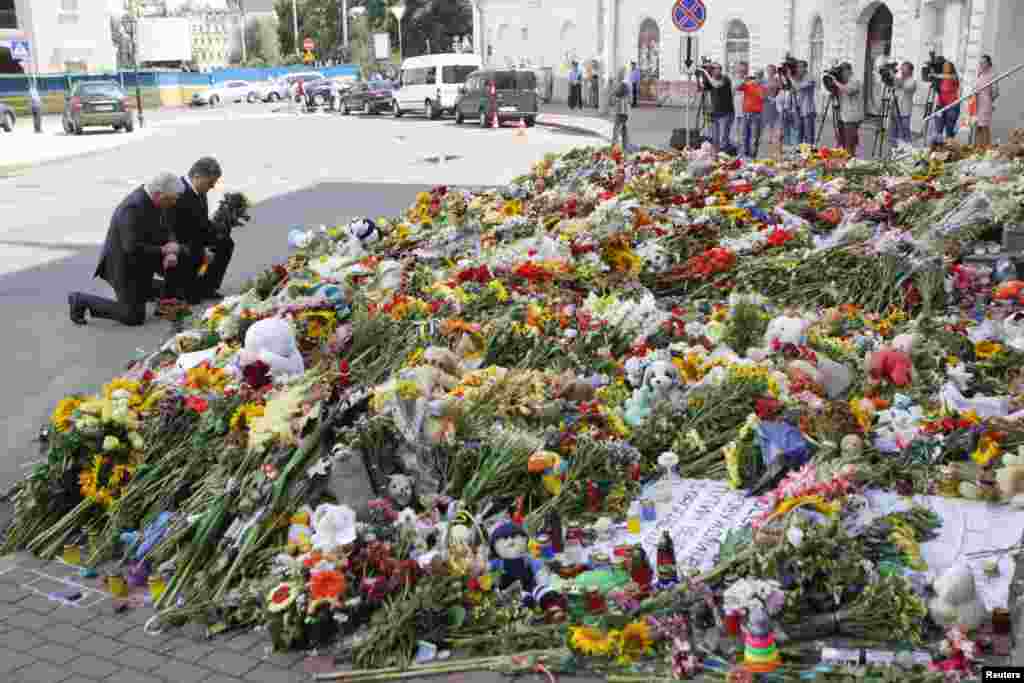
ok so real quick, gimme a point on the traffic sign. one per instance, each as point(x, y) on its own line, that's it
point(308, 44)
point(689, 15)
point(19, 50)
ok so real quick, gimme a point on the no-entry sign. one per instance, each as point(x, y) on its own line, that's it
point(308, 44)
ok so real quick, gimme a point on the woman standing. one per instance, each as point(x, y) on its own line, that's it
point(988, 92)
point(770, 115)
point(949, 92)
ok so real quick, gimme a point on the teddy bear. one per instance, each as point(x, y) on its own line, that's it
point(571, 388)
point(1014, 148)
point(888, 364)
point(300, 532)
point(662, 381)
point(447, 364)
point(401, 490)
point(272, 341)
point(334, 526)
point(956, 601)
point(1005, 483)
point(786, 329)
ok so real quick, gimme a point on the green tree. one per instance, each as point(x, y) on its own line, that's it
point(261, 41)
point(438, 21)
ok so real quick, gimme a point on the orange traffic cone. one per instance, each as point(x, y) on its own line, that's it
point(521, 133)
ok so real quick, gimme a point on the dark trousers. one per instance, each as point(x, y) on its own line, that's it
point(594, 92)
point(184, 282)
point(636, 93)
point(127, 309)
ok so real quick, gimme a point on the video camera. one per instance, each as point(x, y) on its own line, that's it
point(887, 72)
point(931, 69)
point(830, 77)
point(787, 71)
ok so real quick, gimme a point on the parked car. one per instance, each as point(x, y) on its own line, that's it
point(430, 83)
point(97, 103)
point(283, 87)
point(368, 98)
point(515, 96)
point(322, 92)
point(229, 91)
point(7, 118)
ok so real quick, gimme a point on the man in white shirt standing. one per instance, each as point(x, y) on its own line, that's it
point(742, 71)
point(906, 88)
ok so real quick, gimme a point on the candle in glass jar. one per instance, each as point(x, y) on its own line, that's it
point(72, 554)
point(156, 587)
point(648, 510)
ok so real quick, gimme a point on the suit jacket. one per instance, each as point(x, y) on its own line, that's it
point(192, 221)
point(131, 252)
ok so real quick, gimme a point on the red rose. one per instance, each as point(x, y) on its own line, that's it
point(256, 375)
point(200, 405)
point(767, 407)
point(281, 595)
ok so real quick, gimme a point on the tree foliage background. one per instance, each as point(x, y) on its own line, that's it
point(428, 26)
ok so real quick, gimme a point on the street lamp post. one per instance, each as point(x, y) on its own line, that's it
point(295, 24)
point(399, 12)
point(133, 16)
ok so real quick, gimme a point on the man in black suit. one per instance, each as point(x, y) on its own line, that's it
point(140, 243)
point(192, 226)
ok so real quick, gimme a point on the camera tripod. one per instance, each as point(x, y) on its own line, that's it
point(929, 107)
point(831, 106)
point(703, 121)
point(890, 108)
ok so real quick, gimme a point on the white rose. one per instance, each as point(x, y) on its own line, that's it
point(111, 443)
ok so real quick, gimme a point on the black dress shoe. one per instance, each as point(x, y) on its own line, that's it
point(77, 310)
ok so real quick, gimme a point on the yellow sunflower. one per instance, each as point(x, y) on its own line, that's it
point(590, 641)
point(635, 641)
point(61, 418)
point(512, 208)
point(987, 349)
point(129, 385)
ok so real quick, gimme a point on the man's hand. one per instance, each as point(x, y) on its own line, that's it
point(170, 248)
point(170, 261)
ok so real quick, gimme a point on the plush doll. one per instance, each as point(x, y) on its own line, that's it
point(662, 381)
point(1005, 484)
point(449, 370)
point(272, 341)
point(510, 558)
point(889, 365)
point(956, 601)
point(334, 526)
point(638, 407)
point(401, 490)
point(551, 467)
point(571, 388)
point(300, 532)
point(786, 329)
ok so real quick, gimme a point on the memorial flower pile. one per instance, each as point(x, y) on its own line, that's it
point(486, 424)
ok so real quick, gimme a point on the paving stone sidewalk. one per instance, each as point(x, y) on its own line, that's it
point(44, 641)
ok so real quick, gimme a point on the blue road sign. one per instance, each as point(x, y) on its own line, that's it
point(19, 50)
point(689, 15)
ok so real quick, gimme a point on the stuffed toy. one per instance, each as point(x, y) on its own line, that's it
point(334, 526)
point(1010, 290)
point(1007, 482)
point(272, 341)
point(364, 230)
point(300, 532)
point(662, 381)
point(569, 387)
point(786, 329)
point(447, 365)
point(956, 601)
point(401, 490)
point(905, 343)
point(1014, 148)
point(889, 365)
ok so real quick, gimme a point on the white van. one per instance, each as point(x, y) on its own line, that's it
point(430, 84)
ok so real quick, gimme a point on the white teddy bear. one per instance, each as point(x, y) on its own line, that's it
point(662, 381)
point(957, 602)
point(334, 526)
point(786, 329)
point(272, 341)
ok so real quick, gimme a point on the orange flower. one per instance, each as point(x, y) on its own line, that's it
point(453, 326)
point(326, 584)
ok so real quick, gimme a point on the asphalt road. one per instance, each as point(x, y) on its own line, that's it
point(299, 170)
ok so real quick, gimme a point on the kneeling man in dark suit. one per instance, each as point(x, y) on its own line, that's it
point(140, 243)
point(193, 227)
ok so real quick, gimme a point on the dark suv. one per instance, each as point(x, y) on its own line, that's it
point(514, 97)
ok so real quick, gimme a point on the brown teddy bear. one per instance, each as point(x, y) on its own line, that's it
point(571, 388)
point(449, 369)
point(1014, 149)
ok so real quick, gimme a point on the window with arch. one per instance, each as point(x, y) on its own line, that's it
point(817, 51)
point(737, 45)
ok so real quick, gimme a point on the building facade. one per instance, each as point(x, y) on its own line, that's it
point(551, 33)
point(62, 35)
point(216, 37)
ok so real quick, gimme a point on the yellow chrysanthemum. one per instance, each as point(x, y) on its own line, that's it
point(61, 418)
point(244, 415)
point(498, 289)
point(987, 349)
point(732, 464)
point(590, 641)
point(131, 386)
point(512, 208)
point(988, 448)
point(635, 641)
point(205, 378)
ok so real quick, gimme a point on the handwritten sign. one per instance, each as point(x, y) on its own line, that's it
point(836, 655)
point(700, 514)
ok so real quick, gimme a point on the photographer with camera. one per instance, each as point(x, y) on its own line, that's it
point(905, 88)
point(851, 105)
point(723, 111)
point(806, 89)
point(949, 92)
